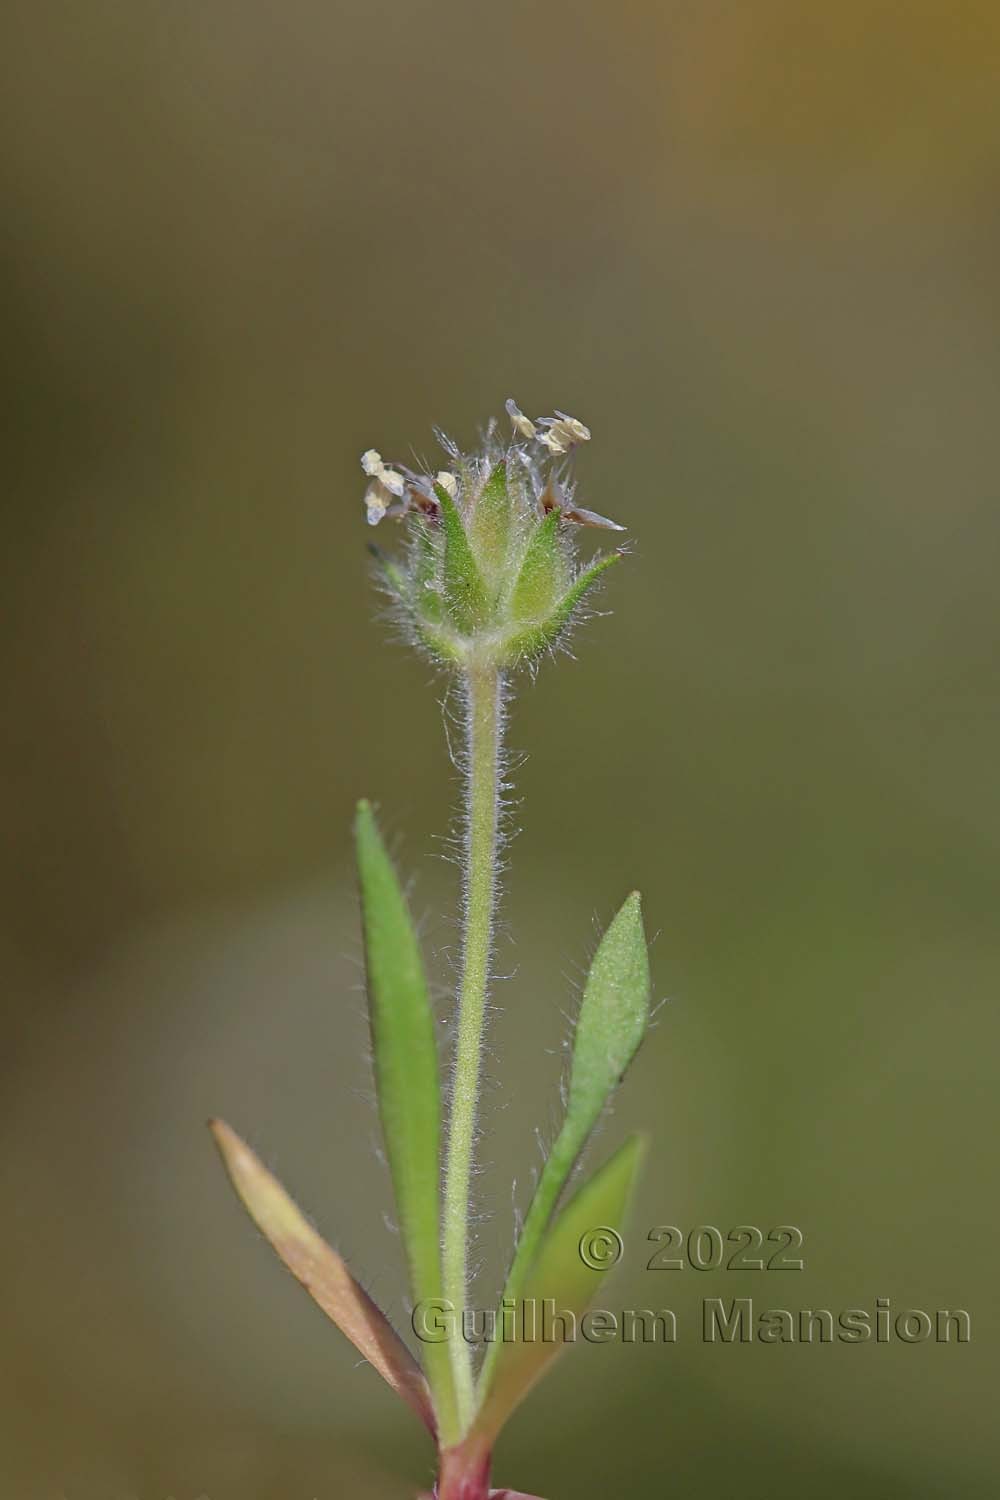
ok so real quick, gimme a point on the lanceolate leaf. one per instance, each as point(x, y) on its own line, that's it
point(613, 1017)
point(322, 1272)
point(562, 1278)
point(406, 1073)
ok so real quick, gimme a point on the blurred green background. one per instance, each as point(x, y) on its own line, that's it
point(753, 243)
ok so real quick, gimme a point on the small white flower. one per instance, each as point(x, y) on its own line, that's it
point(505, 592)
point(519, 421)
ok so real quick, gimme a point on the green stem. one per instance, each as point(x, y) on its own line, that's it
point(484, 728)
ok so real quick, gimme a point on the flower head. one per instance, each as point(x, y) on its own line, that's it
point(488, 571)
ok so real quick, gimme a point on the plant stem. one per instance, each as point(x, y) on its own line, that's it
point(464, 1472)
point(484, 730)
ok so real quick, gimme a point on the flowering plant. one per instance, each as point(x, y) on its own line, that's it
point(486, 585)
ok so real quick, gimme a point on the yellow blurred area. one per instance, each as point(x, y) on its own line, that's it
point(754, 246)
point(819, 93)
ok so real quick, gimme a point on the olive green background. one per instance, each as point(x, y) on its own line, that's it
point(753, 243)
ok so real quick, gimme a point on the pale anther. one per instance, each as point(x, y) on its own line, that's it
point(394, 483)
point(519, 421)
point(377, 499)
point(573, 428)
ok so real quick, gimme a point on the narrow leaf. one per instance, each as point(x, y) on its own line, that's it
point(614, 1014)
point(561, 1278)
point(406, 1069)
point(322, 1272)
point(465, 590)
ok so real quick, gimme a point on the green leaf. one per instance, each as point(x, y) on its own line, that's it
point(406, 1071)
point(612, 1021)
point(614, 1014)
point(464, 588)
point(491, 520)
point(322, 1272)
point(560, 1273)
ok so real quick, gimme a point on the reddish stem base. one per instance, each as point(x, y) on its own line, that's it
point(493, 1495)
point(464, 1474)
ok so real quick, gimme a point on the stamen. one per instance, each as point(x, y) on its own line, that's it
point(573, 428)
point(394, 483)
point(371, 463)
point(377, 499)
point(519, 421)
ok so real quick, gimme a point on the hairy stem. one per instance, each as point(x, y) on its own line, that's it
point(484, 730)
